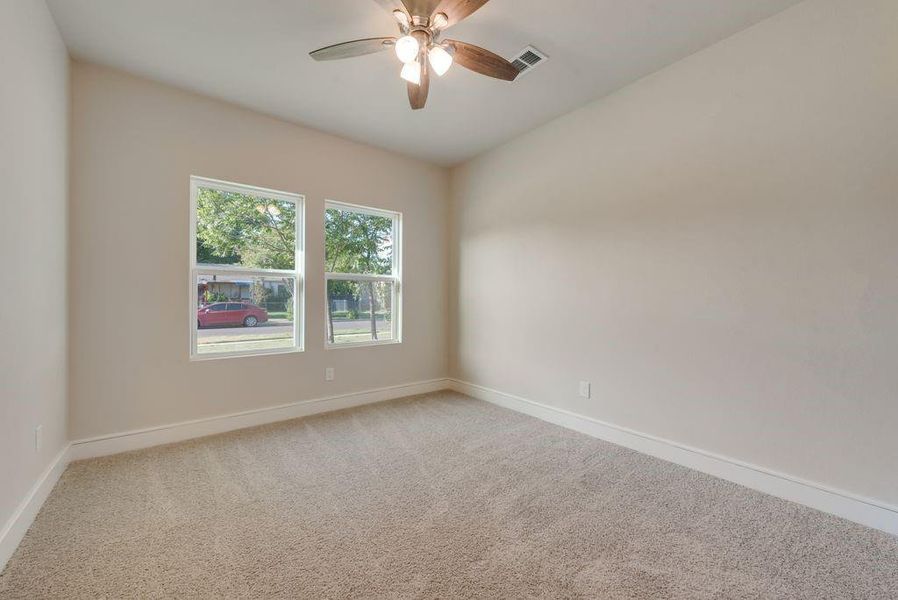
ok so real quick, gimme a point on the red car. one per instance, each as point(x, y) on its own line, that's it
point(230, 313)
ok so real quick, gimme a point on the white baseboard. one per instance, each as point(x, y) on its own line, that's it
point(866, 511)
point(14, 529)
point(17, 525)
point(177, 432)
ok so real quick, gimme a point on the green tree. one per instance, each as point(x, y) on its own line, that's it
point(260, 294)
point(356, 243)
point(249, 231)
point(210, 297)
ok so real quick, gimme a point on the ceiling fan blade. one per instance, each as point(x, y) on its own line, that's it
point(458, 10)
point(417, 94)
point(483, 61)
point(421, 8)
point(353, 48)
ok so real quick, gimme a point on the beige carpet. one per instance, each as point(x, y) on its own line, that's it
point(439, 496)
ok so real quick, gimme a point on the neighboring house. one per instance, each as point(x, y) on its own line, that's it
point(232, 290)
point(241, 290)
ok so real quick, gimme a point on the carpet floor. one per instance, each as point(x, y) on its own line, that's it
point(438, 496)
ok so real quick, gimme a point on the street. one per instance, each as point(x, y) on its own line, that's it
point(278, 328)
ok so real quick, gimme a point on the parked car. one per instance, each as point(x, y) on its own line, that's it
point(230, 313)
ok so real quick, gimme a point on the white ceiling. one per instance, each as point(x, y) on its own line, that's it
point(255, 53)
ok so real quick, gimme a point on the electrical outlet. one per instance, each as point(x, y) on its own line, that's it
point(38, 437)
point(329, 374)
point(585, 389)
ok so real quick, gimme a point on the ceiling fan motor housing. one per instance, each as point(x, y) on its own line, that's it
point(424, 37)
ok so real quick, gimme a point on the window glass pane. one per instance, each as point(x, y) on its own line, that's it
point(358, 243)
point(359, 311)
point(263, 320)
point(245, 230)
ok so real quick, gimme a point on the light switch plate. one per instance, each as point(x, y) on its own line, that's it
point(329, 374)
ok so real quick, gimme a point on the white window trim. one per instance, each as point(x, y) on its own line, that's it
point(395, 278)
point(298, 273)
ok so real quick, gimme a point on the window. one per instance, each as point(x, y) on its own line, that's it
point(246, 270)
point(364, 284)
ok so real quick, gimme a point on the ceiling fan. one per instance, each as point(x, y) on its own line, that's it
point(420, 48)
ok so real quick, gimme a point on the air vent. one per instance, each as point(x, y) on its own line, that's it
point(528, 59)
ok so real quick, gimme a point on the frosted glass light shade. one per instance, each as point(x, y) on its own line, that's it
point(407, 48)
point(439, 21)
point(411, 72)
point(401, 17)
point(440, 60)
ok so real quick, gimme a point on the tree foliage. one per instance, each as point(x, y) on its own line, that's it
point(251, 231)
point(258, 232)
point(357, 243)
point(260, 294)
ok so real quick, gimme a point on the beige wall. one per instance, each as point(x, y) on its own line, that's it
point(134, 146)
point(33, 146)
point(715, 247)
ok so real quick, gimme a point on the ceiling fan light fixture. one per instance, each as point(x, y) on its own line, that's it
point(439, 21)
point(401, 17)
point(440, 60)
point(422, 50)
point(411, 72)
point(407, 48)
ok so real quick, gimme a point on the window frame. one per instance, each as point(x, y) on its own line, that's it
point(395, 277)
point(298, 273)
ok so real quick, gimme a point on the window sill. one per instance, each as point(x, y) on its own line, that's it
point(328, 346)
point(225, 355)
